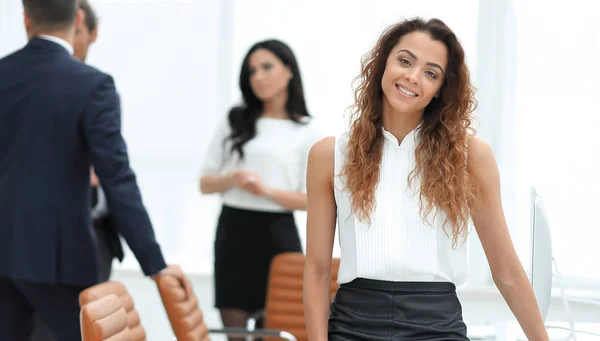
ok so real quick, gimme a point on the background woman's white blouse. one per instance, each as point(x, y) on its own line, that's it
point(278, 154)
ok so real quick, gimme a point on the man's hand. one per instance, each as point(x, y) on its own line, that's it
point(175, 271)
point(93, 178)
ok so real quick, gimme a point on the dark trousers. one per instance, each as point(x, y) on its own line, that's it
point(105, 256)
point(41, 329)
point(57, 305)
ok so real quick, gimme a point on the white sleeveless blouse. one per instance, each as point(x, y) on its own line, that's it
point(398, 245)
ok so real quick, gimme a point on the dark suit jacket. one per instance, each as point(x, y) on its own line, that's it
point(57, 117)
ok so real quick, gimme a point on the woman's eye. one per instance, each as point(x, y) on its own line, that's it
point(432, 74)
point(404, 61)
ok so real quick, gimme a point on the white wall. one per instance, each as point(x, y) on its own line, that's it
point(556, 128)
point(12, 33)
point(330, 37)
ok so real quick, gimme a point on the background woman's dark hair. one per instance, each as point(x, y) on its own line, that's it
point(242, 118)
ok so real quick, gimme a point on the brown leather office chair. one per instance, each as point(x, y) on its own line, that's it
point(183, 311)
point(187, 319)
point(104, 319)
point(284, 307)
point(98, 291)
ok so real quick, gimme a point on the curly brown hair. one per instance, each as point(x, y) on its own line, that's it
point(441, 154)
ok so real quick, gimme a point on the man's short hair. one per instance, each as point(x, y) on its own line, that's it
point(51, 15)
point(91, 20)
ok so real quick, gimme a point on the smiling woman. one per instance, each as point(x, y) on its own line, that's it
point(404, 184)
point(416, 79)
point(412, 76)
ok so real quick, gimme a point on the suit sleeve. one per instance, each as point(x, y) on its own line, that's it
point(102, 129)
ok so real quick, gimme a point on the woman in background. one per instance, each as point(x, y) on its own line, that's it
point(404, 184)
point(257, 162)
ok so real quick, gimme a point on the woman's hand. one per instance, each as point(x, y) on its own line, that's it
point(252, 183)
point(256, 186)
point(249, 181)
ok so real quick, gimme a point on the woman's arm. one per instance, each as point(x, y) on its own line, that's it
point(212, 179)
point(216, 183)
point(252, 183)
point(239, 178)
point(490, 224)
point(290, 200)
point(319, 238)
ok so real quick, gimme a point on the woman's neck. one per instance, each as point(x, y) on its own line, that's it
point(400, 124)
point(275, 107)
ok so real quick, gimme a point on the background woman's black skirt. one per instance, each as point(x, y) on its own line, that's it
point(379, 310)
point(245, 244)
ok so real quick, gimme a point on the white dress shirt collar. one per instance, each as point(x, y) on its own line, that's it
point(58, 41)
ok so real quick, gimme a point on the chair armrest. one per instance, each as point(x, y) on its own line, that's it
point(241, 332)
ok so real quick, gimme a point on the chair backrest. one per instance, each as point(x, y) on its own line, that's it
point(284, 306)
point(183, 310)
point(104, 319)
point(114, 287)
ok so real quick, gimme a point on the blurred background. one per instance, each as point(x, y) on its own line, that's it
point(535, 64)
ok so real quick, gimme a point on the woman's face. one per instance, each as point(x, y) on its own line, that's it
point(414, 73)
point(269, 77)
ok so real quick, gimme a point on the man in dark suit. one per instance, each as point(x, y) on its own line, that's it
point(107, 236)
point(58, 117)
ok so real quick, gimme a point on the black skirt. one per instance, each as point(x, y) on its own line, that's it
point(373, 310)
point(245, 244)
